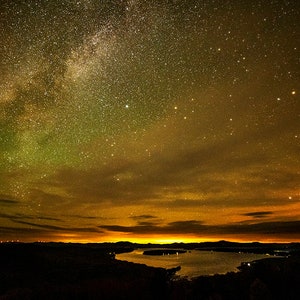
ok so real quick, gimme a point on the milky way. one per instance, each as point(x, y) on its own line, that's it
point(153, 120)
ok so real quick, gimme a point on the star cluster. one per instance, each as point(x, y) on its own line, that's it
point(145, 119)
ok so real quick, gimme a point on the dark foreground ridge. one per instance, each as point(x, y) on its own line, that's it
point(90, 271)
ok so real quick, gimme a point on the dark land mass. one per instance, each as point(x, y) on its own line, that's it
point(90, 271)
point(225, 246)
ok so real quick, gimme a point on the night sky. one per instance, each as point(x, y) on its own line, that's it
point(153, 121)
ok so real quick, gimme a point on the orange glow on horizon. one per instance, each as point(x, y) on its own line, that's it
point(162, 239)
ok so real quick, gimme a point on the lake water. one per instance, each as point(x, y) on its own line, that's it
point(193, 263)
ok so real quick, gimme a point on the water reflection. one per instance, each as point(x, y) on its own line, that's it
point(193, 263)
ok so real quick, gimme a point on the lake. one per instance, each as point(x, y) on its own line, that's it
point(193, 263)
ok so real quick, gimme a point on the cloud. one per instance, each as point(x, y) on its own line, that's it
point(199, 229)
point(269, 228)
point(18, 216)
point(30, 234)
point(8, 202)
point(58, 228)
point(258, 214)
point(143, 217)
point(152, 228)
point(20, 231)
point(5, 216)
point(47, 218)
point(188, 179)
point(145, 223)
point(84, 217)
point(135, 180)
